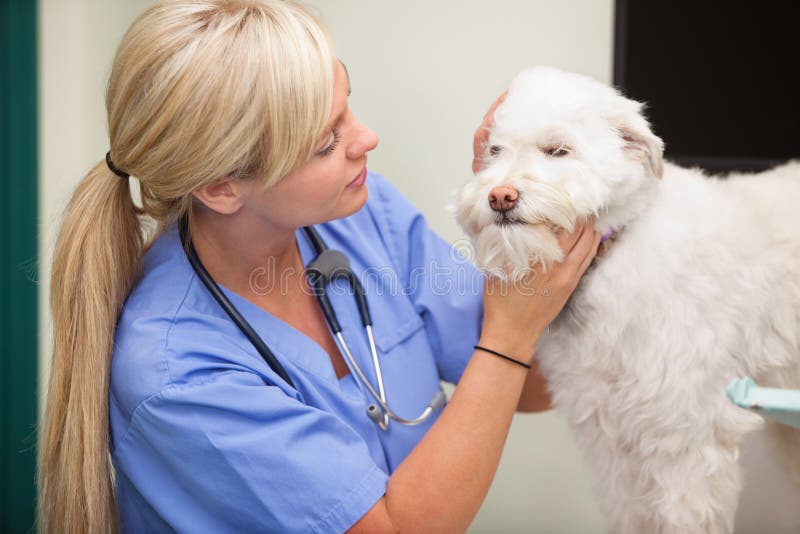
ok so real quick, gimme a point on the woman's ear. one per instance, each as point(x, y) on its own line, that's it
point(224, 195)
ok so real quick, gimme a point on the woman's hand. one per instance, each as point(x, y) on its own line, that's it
point(516, 313)
point(482, 136)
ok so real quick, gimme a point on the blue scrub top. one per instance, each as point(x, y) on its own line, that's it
point(205, 437)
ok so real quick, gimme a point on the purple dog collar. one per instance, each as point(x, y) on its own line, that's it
point(610, 234)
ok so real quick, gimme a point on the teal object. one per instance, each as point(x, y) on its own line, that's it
point(781, 405)
point(19, 265)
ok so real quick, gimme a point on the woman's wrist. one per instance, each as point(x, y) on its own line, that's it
point(513, 345)
point(503, 356)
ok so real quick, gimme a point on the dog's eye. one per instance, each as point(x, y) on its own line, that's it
point(495, 150)
point(557, 152)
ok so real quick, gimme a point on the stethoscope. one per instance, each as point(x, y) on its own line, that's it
point(327, 266)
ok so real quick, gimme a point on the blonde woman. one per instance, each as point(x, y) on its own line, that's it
point(162, 414)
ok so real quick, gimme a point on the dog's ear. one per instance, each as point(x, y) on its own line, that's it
point(640, 142)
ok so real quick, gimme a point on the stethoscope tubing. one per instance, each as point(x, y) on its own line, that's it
point(228, 307)
point(328, 265)
point(382, 418)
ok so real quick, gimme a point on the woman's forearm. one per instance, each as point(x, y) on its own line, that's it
point(440, 486)
point(442, 483)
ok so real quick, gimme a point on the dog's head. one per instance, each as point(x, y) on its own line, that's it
point(562, 147)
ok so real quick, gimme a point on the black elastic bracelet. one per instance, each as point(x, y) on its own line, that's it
point(490, 351)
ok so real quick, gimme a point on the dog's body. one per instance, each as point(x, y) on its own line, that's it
point(701, 286)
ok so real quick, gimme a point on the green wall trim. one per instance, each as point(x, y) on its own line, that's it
point(18, 263)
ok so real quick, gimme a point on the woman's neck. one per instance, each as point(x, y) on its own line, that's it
point(247, 255)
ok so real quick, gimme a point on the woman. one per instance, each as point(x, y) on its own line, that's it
point(233, 117)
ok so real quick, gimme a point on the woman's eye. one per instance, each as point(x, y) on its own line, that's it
point(331, 146)
point(495, 150)
point(557, 152)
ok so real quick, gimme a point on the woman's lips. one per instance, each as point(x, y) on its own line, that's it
point(359, 180)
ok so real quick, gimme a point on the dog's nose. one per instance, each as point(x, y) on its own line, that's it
point(503, 198)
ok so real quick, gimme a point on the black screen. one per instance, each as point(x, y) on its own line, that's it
point(720, 79)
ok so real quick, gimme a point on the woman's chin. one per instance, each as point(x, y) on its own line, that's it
point(350, 202)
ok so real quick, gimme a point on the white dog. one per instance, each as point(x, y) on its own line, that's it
point(701, 286)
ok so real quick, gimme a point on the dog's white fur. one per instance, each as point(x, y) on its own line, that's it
point(701, 286)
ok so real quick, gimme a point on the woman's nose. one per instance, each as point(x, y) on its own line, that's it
point(364, 141)
point(503, 198)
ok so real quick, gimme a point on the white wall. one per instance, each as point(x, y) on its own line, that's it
point(423, 74)
point(77, 41)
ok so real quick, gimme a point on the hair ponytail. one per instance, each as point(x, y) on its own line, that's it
point(96, 262)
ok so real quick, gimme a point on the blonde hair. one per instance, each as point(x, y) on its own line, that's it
point(199, 89)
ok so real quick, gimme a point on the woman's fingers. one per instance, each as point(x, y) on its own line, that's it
point(583, 245)
point(482, 135)
point(591, 254)
point(568, 240)
point(478, 142)
point(584, 249)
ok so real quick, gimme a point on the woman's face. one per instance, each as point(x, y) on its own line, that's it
point(331, 184)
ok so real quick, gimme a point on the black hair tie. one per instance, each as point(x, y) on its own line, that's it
point(113, 168)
